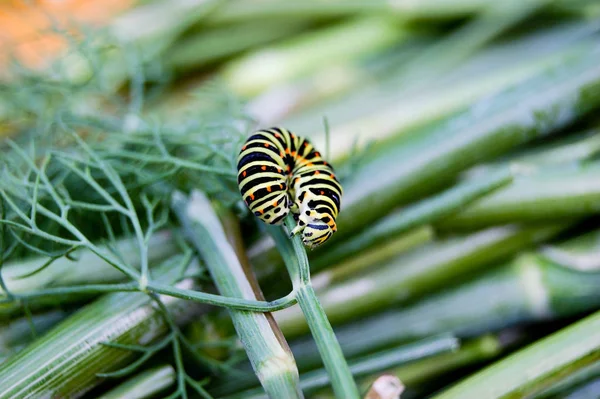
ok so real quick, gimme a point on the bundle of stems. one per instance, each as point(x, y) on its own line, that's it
point(99, 341)
point(505, 296)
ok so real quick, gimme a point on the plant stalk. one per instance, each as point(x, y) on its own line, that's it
point(536, 367)
point(271, 360)
point(146, 384)
point(298, 267)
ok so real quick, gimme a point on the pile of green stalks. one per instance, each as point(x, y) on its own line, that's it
point(466, 264)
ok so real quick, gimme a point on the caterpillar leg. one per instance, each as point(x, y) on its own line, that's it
point(297, 230)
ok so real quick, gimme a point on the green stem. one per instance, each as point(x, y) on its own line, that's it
point(220, 300)
point(315, 9)
point(529, 288)
point(586, 391)
point(83, 266)
point(423, 212)
point(368, 258)
point(535, 368)
point(144, 385)
point(258, 71)
point(422, 270)
point(329, 348)
point(270, 357)
point(207, 47)
point(417, 166)
point(298, 267)
point(384, 360)
point(373, 363)
point(572, 382)
point(66, 361)
point(559, 192)
point(422, 161)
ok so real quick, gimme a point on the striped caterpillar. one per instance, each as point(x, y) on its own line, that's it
point(279, 172)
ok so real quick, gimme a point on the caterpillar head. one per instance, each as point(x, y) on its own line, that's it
point(316, 228)
point(316, 233)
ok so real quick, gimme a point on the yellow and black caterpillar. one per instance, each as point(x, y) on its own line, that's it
point(279, 172)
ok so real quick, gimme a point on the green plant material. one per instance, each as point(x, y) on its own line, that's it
point(536, 367)
point(392, 105)
point(207, 47)
point(577, 254)
point(314, 380)
point(102, 61)
point(142, 33)
point(423, 162)
point(271, 359)
point(296, 261)
point(20, 332)
point(421, 373)
point(530, 288)
point(256, 72)
point(586, 391)
point(420, 271)
point(412, 168)
point(35, 208)
point(555, 193)
point(81, 267)
point(70, 358)
point(570, 151)
point(423, 212)
point(573, 382)
point(330, 81)
point(458, 45)
point(144, 385)
point(371, 257)
point(470, 353)
point(315, 9)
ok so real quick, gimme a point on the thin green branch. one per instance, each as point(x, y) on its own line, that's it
point(138, 348)
point(122, 372)
point(219, 300)
point(296, 261)
point(88, 289)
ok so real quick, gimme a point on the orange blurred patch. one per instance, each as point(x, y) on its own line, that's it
point(31, 29)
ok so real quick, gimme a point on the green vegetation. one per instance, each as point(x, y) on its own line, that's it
point(465, 135)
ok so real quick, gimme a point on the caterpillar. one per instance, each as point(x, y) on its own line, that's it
point(280, 172)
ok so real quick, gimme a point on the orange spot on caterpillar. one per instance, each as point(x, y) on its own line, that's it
point(332, 176)
point(317, 172)
point(274, 203)
point(317, 154)
point(267, 145)
point(263, 167)
point(277, 135)
point(262, 211)
point(322, 192)
point(252, 197)
point(269, 188)
point(289, 169)
point(281, 186)
point(244, 173)
point(244, 147)
point(281, 154)
point(287, 150)
point(297, 180)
